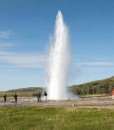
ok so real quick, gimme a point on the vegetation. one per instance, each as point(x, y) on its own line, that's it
point(34, 118)
point(23, 92)
point(97, 87)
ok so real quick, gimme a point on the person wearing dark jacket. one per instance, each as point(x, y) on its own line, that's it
point(38, 96)
point(45, 96)
point(5, 98)
point(15, 97)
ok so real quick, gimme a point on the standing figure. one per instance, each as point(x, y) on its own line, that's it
point(45, 96)
point(5, 97)
point(38, 96)
point(15, 97)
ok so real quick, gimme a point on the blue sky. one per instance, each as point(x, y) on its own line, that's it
point(25, 28)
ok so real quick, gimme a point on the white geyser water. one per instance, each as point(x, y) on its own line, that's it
point(58, 60)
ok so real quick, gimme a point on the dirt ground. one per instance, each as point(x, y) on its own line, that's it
point(92, 102)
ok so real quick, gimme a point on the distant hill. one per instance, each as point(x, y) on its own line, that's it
point(23, 92)
point(95, 87)
point(104, 86)
point(29, 89)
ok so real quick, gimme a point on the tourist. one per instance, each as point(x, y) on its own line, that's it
point(38, 96)
point(5, 97)
point(45, 96)
point(15, 97)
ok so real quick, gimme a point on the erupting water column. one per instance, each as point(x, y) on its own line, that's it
point(58, 60)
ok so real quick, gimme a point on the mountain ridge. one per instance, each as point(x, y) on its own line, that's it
point(103, 86)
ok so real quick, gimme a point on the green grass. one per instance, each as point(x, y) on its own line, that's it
point(20, 94)
point(35, 118)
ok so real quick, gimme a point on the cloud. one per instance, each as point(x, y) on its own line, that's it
point(99, 63)
point(95, 65)
point(7, 44)
point(6, 34)
point(97, 68)
point(23, 60)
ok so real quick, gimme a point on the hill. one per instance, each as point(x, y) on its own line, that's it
point(23, 92)
point(104, 86)
point(29, 89)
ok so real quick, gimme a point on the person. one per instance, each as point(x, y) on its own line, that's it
point(45, 96)
point(5, 97)
point(15, 97)
point(38, 96)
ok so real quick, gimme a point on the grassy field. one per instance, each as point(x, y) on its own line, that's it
point(35, 118)
point(20, 94)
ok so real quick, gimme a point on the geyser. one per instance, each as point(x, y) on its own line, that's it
point(58, 60)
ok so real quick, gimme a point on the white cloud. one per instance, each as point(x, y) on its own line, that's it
point(99, 63)
point(6, 34)
point(24, 60)
point(97, 68)
point(96, 63)
point(7, 44)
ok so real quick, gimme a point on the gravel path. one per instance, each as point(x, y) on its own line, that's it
point(94, 102)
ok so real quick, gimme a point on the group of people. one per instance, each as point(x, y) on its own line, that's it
point(38, 94)
point(15, 98)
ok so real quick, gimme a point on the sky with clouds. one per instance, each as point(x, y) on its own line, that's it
point(25, 28)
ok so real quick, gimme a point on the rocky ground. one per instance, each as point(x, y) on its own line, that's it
point(92, 102)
